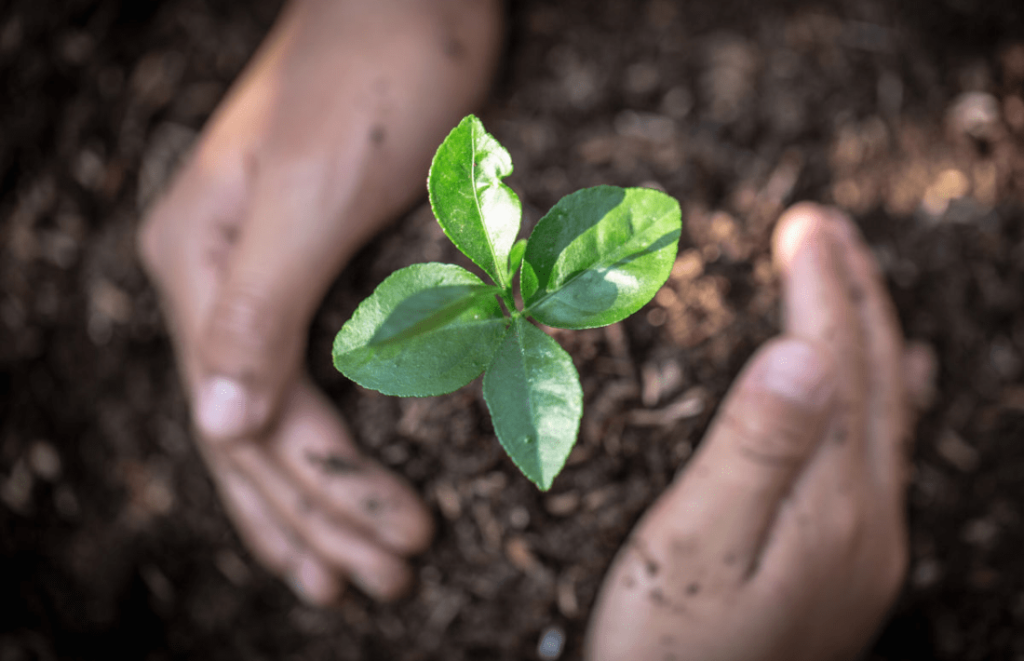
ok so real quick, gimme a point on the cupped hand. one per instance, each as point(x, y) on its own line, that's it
point(784, 537)
point(326, 136)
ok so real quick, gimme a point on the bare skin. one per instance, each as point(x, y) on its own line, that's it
point(325, 138)
point(785, 536)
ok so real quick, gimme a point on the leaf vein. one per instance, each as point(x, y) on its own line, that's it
point(620, 254)
point(499, 272)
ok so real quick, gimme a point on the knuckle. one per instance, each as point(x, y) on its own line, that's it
point(781, 444)
point(244, 318)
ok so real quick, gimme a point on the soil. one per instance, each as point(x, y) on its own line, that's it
point(910, 115)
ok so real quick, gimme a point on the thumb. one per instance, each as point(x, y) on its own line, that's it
point(768, 426)
point(253, 341)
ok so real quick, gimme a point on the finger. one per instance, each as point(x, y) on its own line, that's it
point(272, 544)
point(378, 572)
point(317, 453)
point(887, 414)
point(817, 307)
point(184, 240)
point(290, 245)
point(183, 244)
point(767, 427)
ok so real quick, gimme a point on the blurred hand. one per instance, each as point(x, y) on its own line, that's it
point(327, 135)
point(784, 538)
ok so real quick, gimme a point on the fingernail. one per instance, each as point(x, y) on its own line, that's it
point(222, 408)
point(796, 229)
point(795, 371)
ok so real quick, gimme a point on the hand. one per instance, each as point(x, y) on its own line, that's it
point(784, 538)
point(326, 136)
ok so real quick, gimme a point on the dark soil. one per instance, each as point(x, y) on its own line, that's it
point(910, 115)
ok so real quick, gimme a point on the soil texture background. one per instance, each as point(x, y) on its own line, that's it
point(909, 115)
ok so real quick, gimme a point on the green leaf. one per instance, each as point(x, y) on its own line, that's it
point(428, 329)
point(533, 393)
point(599, 255)
point(515, 258)
point(479, 213)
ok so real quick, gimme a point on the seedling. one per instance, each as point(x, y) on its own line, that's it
point(597, 257)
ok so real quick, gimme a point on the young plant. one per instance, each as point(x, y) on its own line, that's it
point(597, 257)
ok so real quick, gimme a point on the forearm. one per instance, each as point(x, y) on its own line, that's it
point(399, 74)
point(334, 122)
point(432, 67)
